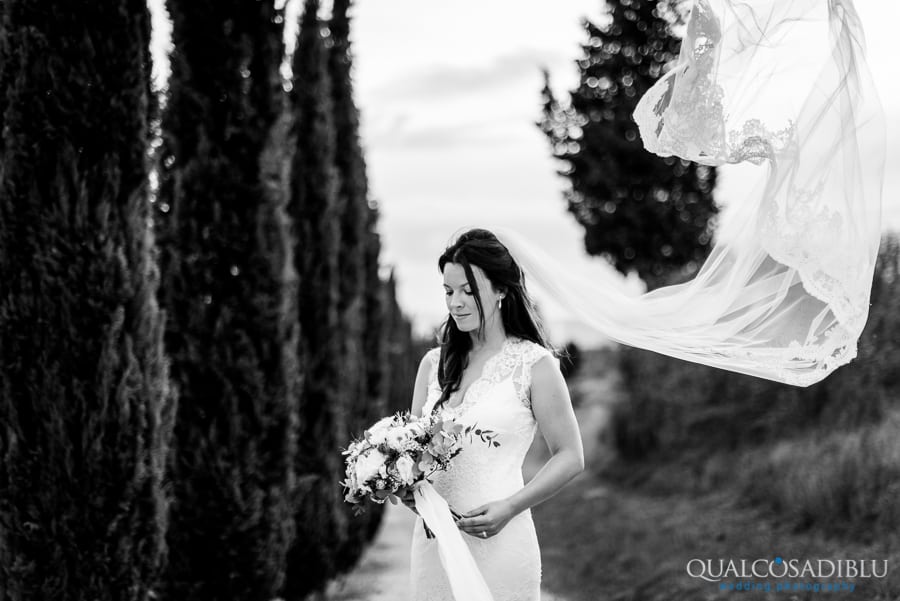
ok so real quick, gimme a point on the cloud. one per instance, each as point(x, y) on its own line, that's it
point(442, 82)
point(402, 133)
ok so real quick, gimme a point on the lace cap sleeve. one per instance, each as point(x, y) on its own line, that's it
point(529, 354)
point(433, 356)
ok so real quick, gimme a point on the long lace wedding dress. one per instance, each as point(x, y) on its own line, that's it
point(500, 401)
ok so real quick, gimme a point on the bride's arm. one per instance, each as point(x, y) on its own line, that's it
point(420, 395)
point(420, 388)
point(553, 411)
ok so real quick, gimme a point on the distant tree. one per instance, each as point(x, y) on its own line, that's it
point(644, 213)
point(403, 352)
point(86, 408)
point(315, 208)
point(230, 289)
point(377, 310)
point(571, 360)
point(375, 342)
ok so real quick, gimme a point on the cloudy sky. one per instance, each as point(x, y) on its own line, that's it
point(449, 93)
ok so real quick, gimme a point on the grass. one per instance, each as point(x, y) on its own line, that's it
point(627, 530)
point(850, 478)
point(604, 541)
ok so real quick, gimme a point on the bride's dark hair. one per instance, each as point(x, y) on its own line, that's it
point(481, 248)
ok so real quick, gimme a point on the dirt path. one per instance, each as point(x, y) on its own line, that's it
point(383, 570)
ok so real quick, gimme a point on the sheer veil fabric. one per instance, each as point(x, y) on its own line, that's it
point(784, 294)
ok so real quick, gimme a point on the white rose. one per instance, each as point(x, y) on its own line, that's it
point(405, 466)
point(395, 437)
point(383, 424)
point(376, 434)
point(376, 438)
point(369, 465)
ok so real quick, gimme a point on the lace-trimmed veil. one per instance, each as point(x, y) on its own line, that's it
point(784, 294)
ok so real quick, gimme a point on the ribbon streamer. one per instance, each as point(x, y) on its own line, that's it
point(465, 578)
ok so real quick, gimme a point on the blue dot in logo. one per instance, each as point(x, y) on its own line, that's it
point(778, 560)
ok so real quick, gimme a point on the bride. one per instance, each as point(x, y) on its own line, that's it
point(493, 369)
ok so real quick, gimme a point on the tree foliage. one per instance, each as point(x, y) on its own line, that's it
point(644, 213)
point(315, 207)
point(86, 409)
point(362, 409)
point(230, 290)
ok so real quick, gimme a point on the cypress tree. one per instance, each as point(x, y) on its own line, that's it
point(315, 209)
point(229, 286)
point(86, 410)
point(375, 348)
point(353, 192)
point(403, 354)
point(377, 311)
point(644, 213)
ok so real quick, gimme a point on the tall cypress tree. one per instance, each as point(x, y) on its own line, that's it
point(375, 344)
point(315, 207)
point(645, 213)
point(403, 354)
point(353, 190)
point(229, 285)
point(377, 309)
point(86, 409)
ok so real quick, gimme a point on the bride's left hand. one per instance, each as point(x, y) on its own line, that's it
point(487, 520)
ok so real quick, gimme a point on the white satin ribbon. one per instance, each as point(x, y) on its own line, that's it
point(465, 578)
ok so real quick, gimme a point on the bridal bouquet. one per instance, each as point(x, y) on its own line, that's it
point(397, 454)
point(402, 450)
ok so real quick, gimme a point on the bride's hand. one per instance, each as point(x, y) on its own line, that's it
point(487, 520)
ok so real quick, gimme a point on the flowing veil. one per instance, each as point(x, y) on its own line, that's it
point(784, 294)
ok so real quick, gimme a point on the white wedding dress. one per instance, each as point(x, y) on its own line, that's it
point(500, 401)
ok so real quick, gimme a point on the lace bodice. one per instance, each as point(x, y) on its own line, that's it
point(499, 400)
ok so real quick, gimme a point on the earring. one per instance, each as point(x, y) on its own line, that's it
point(499, 303)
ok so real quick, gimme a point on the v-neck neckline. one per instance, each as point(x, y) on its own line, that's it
point(484, 374)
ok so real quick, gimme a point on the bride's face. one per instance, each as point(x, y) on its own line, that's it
point(461, 300)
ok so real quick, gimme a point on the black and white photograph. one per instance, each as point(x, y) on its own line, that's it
point(406, 300)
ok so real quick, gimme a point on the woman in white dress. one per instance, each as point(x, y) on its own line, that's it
point(493, 369)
